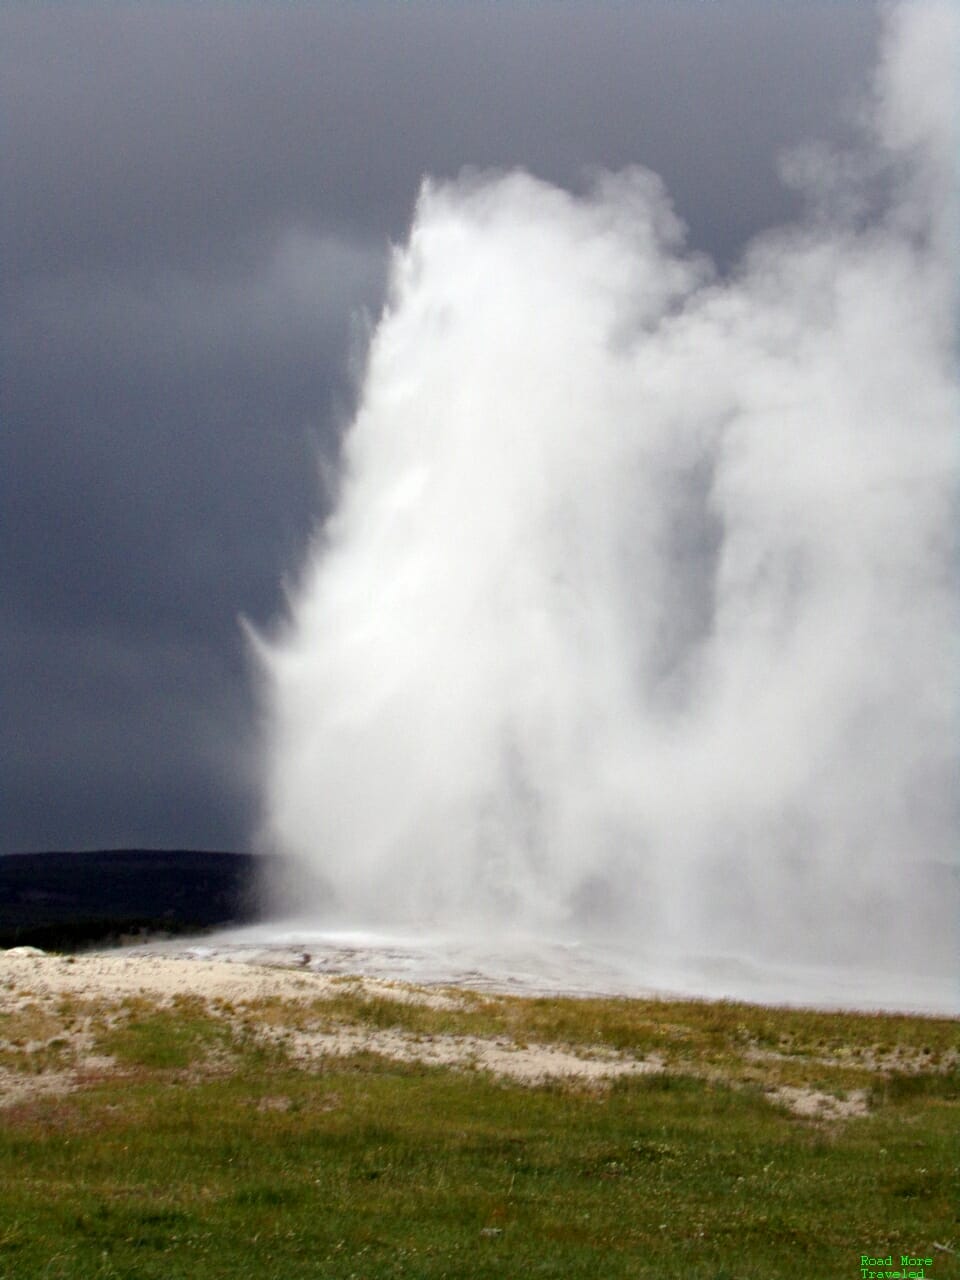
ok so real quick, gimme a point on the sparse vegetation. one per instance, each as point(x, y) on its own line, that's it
point(206, 1142)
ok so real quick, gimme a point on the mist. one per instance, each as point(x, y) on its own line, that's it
point(634, 617)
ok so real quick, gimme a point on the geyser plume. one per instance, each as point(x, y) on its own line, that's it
point(635, 612)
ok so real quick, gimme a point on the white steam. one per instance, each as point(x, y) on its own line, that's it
point(636, 610)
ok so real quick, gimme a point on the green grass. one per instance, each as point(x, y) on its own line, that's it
point(214, 1154)
point(163, 1038)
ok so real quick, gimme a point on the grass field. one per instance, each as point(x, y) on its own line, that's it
point(197, 1139)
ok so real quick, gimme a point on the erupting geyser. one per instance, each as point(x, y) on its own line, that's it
point(635, 614)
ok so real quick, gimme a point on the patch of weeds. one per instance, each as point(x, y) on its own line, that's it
point(142, 1226)
point(12, 1237)
point(662, 1082)
point(29, 1024)
point(382, 1013)
point(903, 1087)
point(268, 1195)
point(922, 1185)
point(634, 1159)
point(162, 1039)
point(813, 1075)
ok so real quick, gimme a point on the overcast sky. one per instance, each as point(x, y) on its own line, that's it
point(196, 211)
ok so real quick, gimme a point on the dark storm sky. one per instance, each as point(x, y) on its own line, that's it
point(196, 205)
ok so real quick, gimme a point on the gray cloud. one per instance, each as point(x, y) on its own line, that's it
point(111, 743)
point(184, 132)
point(158, 419)
point(160, 478)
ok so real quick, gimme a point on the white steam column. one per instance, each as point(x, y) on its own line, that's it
point(636, 615)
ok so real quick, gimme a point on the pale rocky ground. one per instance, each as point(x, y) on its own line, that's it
point(34, 987)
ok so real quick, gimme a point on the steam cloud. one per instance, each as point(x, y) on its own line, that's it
point(635, 614)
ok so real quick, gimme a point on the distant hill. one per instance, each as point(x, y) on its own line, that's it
point(65, 901)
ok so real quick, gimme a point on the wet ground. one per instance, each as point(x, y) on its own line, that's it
point(531, 966)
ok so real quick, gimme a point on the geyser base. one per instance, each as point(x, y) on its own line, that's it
point(530, 965)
